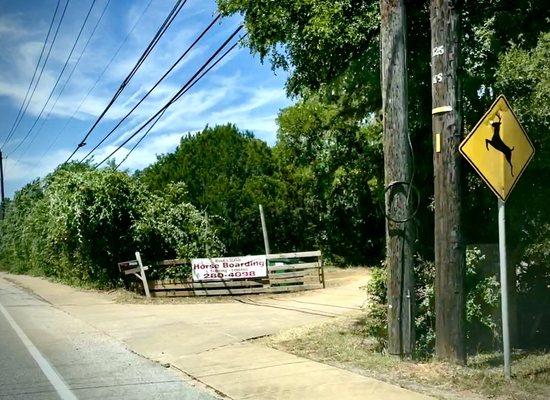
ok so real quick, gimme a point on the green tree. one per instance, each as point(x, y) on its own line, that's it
point(329, 160)
point(523, 75)
point(227, 173)
point(319, 38)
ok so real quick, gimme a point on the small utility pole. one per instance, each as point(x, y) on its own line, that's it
point(397, 171)
point(446, 129)
point(2, 185)
point(264, 230)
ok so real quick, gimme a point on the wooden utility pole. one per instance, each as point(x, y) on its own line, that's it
point(446, 127)
point(2, 185)
point(397, 177)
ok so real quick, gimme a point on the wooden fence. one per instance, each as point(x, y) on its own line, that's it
point(287, 272)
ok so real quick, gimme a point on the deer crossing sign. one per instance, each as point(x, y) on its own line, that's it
point(498, 148)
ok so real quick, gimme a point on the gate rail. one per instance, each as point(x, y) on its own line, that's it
point(286, 272)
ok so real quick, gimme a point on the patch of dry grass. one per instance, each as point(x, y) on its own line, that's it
point(344, 343)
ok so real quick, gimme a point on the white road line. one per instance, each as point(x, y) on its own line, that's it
point(48, 370)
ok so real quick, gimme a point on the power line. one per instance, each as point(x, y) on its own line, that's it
point(70, 75)
point(140, 140)
point(97, 80)
point(39, 75)
point(35, 69)
point(58, 78)
point(176, 97)
point(160, 32)
point(194, 82)
point(191, 46)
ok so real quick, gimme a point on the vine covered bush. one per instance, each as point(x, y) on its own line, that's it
point(77, 223)
point(169, 227)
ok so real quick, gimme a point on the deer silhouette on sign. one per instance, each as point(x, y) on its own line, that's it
point(497, 143)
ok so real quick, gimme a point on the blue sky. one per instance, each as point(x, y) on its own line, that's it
point(239, 90)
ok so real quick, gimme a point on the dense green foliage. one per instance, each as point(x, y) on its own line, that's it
point(321, 38)
point(331, 51)
point(77, 223)
point(226, 173)
point(482, 301)
point(524, 76)
point(312, 191)
point(333, 165)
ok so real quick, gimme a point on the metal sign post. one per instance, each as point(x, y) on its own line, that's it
point(504, 287)
point(499, 150)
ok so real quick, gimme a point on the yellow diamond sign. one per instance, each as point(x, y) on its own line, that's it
point(498, 148)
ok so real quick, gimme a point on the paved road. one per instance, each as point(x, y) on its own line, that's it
point(47, 354)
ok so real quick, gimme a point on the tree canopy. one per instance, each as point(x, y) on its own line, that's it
point(227, 173)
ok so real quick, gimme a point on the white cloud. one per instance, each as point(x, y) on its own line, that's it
point(11, 27)
point(143, 155)
point(17, 170)
point(237, 90)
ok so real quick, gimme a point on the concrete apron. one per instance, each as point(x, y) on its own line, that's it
point(210, 342)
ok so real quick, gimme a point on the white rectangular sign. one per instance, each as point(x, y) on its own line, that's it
point(217, 269)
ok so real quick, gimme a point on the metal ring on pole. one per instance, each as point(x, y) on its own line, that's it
point(412, 189)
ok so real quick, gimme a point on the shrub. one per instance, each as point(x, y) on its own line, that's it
point(482, 303)
point(23, 230)
point(533, 288)
point(169, 228)
point(376, 321)
point(91, 214)
point(424, 272)
point(482, 296)
point(77, 223)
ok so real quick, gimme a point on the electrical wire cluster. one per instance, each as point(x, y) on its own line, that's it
point(58, 77)
point(154, 41)
point(146, 127)
point(34, 83)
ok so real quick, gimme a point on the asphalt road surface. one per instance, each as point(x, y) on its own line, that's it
point(48, 354)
